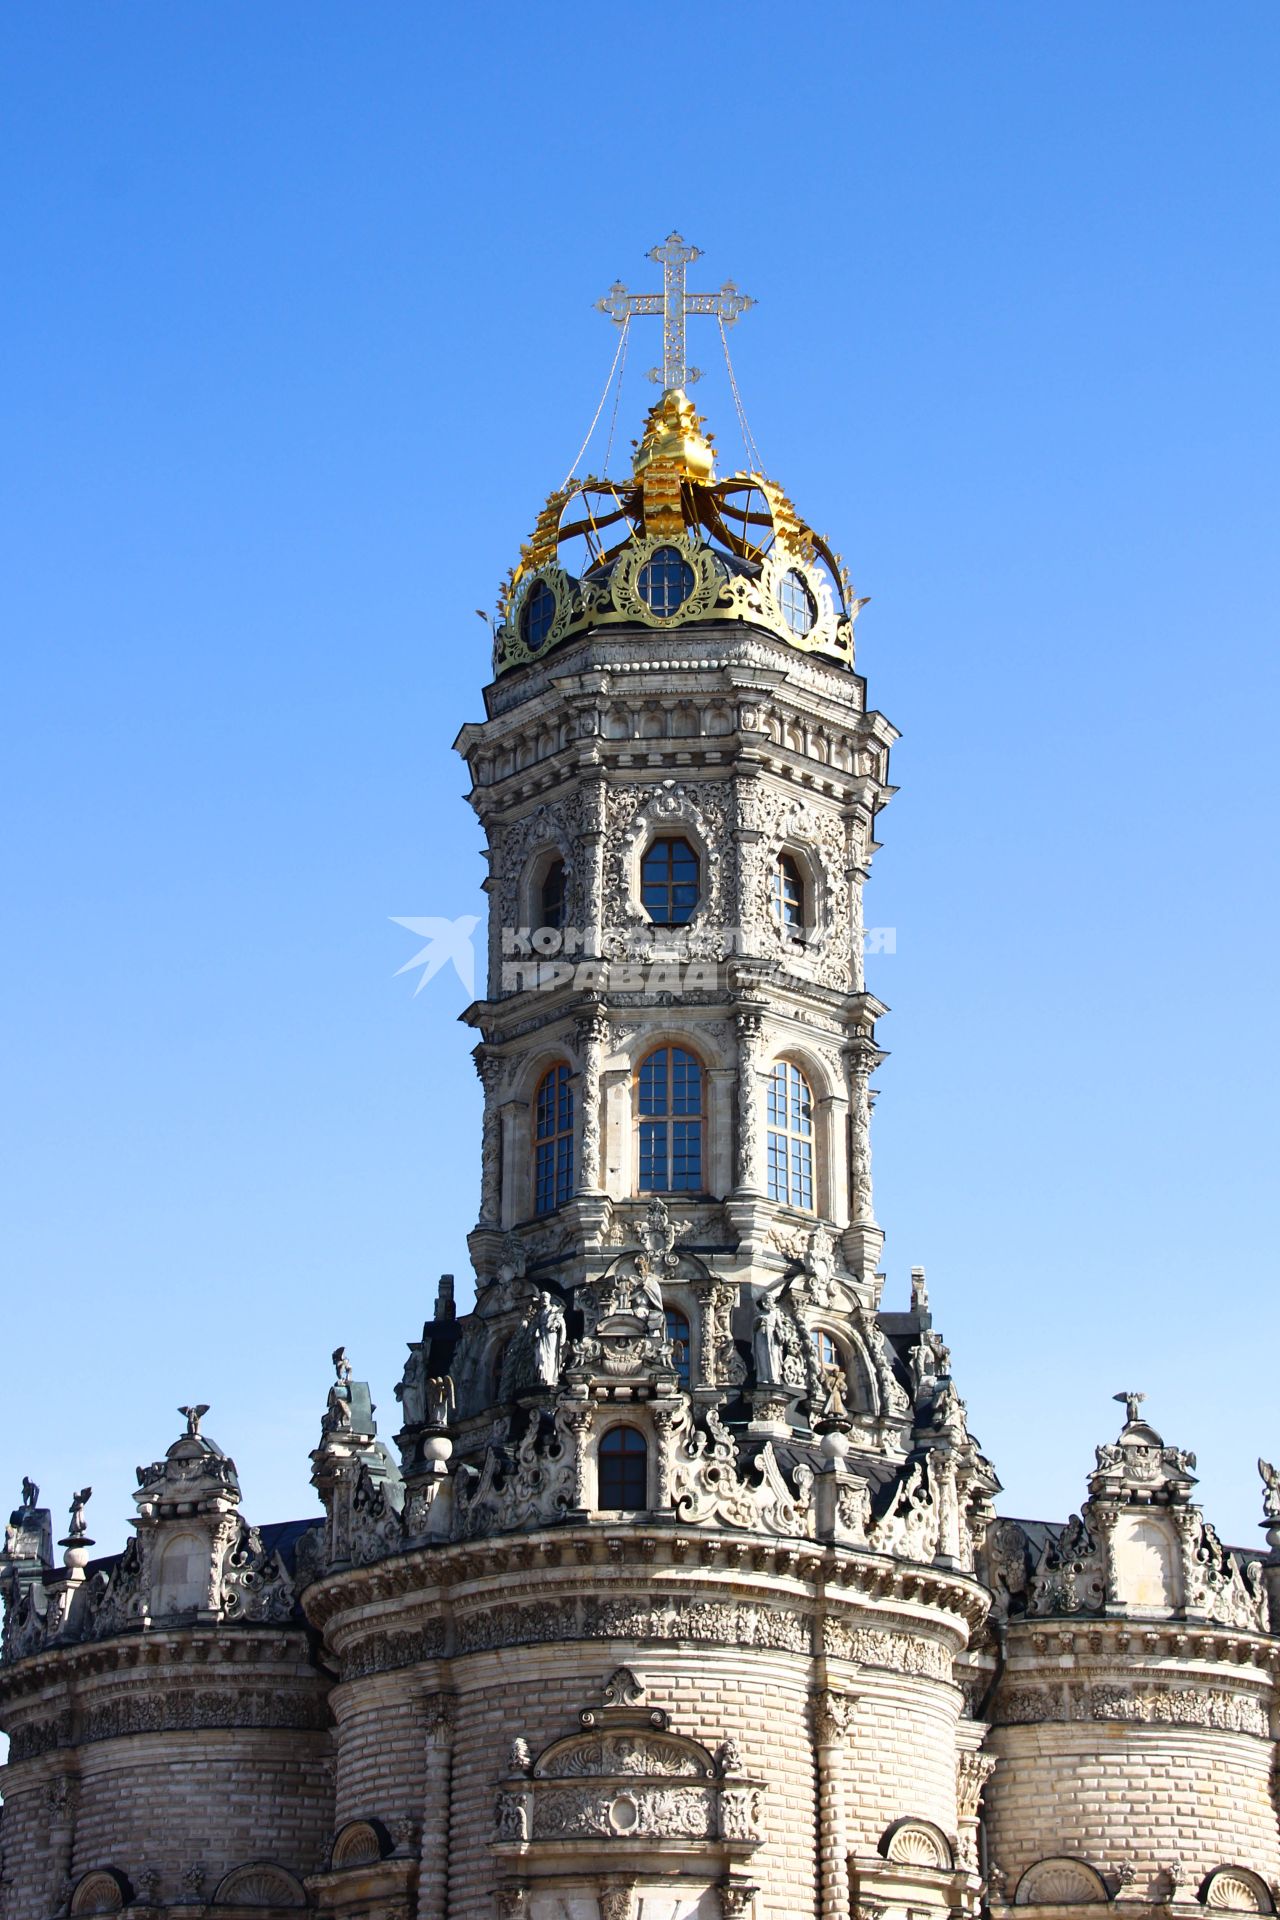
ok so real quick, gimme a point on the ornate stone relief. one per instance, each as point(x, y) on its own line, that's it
point(1144, 1705)
point(625, 1776)
point(1060, 1882)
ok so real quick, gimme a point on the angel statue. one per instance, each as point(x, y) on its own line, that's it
point(1271, 1489)
point(79, 1525)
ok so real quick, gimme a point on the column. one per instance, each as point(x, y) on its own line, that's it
point(592, 1036)
point(489, 1067)
point(831, 1714)
point(749, 1022)
point(433, 1867)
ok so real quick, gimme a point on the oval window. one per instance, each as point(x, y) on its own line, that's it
point(798, 609)
point(665, 582)
point(539, 613)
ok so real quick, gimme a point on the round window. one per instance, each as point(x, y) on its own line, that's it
point(798, 609)
point(539, 613)
point(665, 581)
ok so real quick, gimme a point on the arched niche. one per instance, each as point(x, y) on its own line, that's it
point(259, 1883)
point(1146, 1566)
point(182, 1577)
point(101, 1890)
point(1060, 1881)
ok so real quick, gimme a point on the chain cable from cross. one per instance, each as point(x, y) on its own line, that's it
point(675, 305)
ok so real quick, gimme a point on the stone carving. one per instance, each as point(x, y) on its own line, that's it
point(539, 1482)
point(337, 1414)
point(260, 1884)
point(766, 1342)
point(1151, 1705)
point(617, 1902)
point(193, 1879)
point(255, 1585)
point(1237, 1890)
point(1071, 1573)
point(79, 1527)
point(909, 1528)
point(973, 1770)
point(102, 1890)
point(548, 1340)
point(1270, 1485)
point(901, 1653)
point(1060, 1883)
point(706, 1486)
point(832, 1716)
point(916, 1843)
point(358, 1844)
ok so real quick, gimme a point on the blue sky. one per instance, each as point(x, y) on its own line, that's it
point(297, 333)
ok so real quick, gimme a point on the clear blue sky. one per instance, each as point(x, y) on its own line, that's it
point(296, 334)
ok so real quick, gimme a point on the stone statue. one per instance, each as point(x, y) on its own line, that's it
point(440, 1400)
point(30, 1495)
point(193, 1416)
point(766, 1343)
point(548, 1340)
point(1130, 1402)
point(412, 1390)
point(1271, 1489)
point(79, 1525)
point(337, 1418)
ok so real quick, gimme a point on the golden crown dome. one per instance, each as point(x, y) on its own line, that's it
point(673, 546)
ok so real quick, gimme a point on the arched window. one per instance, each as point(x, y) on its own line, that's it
point(539, 615)
point(678, 1335)
point(623, 1470)
point(790, 1137)
point(665, 581)
point(552, 901)
point(553, 1140)
point(669, 1102)
point(669, 882)
point(786, 894)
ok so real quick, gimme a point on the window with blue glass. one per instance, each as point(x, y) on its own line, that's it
point(538, 616)
point(622, 1470)
point(553, 1140)
point(669, 883)
point(786, 894)
point(669, 1119)
point(665, 582)
point(678, 1339)
point(552, 902)
point(790, 1137)
point(798, 609)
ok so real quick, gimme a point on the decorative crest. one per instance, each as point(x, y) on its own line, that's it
point(674, 256)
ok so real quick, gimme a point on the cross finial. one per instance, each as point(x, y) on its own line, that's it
point(674, 256)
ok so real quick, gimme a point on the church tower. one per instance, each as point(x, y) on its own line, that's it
point(673, 1589)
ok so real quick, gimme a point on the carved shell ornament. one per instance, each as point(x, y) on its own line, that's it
point(672, 545)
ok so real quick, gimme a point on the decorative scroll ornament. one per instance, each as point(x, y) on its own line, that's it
point(708, 579)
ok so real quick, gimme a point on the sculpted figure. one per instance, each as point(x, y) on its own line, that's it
point(548, 1340)
point(1271, 1490)
point(766, 1343)
point(79, 1525)
point(440, 1400)
point(338, 1408)
point(30, 1494)
point(412, 1390)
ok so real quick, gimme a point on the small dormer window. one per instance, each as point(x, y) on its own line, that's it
point(539, 613)
point(665, 582)
point(798, 609)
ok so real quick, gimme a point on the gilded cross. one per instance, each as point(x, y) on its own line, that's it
point(675, 305)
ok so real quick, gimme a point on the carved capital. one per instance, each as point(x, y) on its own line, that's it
point(831, 1716)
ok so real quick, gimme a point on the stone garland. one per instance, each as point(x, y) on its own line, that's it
point(172, 1711)
point(1144, 1706)
point(723, 1623)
